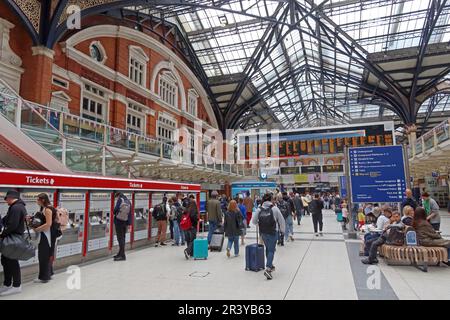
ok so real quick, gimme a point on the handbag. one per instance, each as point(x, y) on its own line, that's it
point(395, 237)
point(37, 220)
point(18, 247)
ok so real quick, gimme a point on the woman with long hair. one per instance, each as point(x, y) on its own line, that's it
point(426, 234)
point(232, 227)
point(191, 234)
point(46, 242)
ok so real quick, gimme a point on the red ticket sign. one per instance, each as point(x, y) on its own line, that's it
point(38, 179)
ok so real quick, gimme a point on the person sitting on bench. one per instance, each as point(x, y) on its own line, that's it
point(426, 234)
point(408, 216)
point(394, 223)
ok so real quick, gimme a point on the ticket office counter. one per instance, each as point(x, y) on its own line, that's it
point(71, 243)
point(99, 221)
point(89, 201)
point(141, 223)
point(29, 197)
point(98, 237)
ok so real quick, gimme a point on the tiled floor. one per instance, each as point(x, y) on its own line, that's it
point(308, 268)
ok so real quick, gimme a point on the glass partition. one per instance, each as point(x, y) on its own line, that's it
point(84, 158)
point(141, 216)
point(72, 241)
point(8, 105)
point(99, 224)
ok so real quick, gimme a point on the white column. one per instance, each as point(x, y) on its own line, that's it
point(64, 150)
point(10, 62)
point(18, 113)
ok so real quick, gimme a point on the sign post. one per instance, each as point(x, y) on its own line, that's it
point(343, 186)
point(377, 174)
point(348, 194)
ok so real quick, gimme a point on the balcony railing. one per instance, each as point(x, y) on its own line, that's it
point(429, 142)
point(64, 131)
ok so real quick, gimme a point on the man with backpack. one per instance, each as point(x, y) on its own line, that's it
point(286, 209)
point(122, 219)
point(269, 220)
point(215, 214)
point(160, 214)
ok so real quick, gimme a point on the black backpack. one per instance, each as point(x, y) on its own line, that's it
point(159, 212)
point(266, 221)
point(283, 205)
point(395, 236)
point(180, 212)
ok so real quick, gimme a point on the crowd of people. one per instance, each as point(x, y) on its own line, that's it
point(274, 214)
point(422, 216)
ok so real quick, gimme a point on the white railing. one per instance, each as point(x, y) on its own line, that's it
point(37, 120)
point(430, 140)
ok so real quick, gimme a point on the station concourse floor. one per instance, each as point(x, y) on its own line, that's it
point(327, 267)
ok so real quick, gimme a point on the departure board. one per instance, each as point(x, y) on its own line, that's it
point(313, 141)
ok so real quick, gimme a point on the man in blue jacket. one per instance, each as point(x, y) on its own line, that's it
point(120, 210)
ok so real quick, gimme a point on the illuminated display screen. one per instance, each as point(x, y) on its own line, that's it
point(317, 141)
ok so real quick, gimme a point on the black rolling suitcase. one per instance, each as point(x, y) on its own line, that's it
point(254, 256)
point(217, 240)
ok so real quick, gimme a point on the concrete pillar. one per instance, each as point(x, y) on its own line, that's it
point(412, 137)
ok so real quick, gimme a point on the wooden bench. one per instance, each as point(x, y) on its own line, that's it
point(418, 256)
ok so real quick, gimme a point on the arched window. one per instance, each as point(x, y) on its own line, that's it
point(166, 127)
point(330, 162)
point(168, 88)
point(138, 65)
point(192, 102)
point(135, 119)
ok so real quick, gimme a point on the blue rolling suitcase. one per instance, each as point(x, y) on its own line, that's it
point(254, 256)
point(339, 216)
point(201, 248)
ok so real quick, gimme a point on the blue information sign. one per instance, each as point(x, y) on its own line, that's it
point(377, 174)
point(343, 186)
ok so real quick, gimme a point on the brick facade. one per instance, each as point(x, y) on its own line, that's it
point(36, 83)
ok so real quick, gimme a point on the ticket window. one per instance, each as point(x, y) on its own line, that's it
point(28, 197)
point(141, 216)
point(98, 230)
point(127, 236)
point(203, 202)
point(71, 243)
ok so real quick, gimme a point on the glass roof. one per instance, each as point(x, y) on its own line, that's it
point(303, 57)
